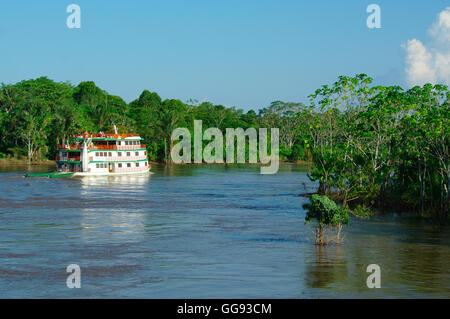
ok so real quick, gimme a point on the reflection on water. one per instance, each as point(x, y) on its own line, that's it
point(132, 181)
point(326, 269)
point(202, 231)
point(125, 189)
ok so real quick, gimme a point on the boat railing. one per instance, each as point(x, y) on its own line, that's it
point(69, 170)
point(102, 147)
point(130, 169)
point(68, 159)
point(130, 147)
point(117, 147)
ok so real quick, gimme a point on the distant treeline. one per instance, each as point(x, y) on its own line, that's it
point(370, 146)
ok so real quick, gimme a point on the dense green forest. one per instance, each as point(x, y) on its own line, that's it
point(370, 146)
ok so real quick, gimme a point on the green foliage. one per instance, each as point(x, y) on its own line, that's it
point(381, 146)
point(37, 115)
point(363, 211)
point(325, 211)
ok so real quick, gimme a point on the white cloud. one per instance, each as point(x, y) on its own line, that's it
point(442, 66)
point(430, 64)
point(440, 29)
point(419, 63)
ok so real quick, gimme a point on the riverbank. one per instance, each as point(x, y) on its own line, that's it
point(15, 161)
point(299, 162)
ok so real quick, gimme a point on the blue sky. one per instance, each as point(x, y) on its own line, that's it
point(243, 53)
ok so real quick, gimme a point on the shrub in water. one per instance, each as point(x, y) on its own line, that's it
point(325, 213)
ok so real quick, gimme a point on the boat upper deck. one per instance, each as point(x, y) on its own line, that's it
point(105, 141)
point(78, 148)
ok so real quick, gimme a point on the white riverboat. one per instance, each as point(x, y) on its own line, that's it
point(103, 154)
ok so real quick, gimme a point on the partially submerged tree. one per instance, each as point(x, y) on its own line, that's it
point(325, 213)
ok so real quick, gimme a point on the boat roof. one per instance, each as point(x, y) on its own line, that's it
point(109, 137)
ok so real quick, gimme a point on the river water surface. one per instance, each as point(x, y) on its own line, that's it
point(202, 232)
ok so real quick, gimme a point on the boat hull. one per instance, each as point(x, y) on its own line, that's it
point(51, 175)
point(147, 171)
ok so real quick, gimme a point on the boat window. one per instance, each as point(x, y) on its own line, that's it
point(96, 153)
point(128, 154)
point(120, 165)
point(97, 165)
point(119, 153)
point(109, 154)
point(145, 163)
point(136, 153)
point(128, 164)
point(137, 164)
